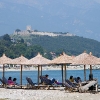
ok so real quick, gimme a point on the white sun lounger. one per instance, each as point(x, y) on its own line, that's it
point(88, 85)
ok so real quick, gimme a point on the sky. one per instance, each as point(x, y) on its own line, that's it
point(79, 17)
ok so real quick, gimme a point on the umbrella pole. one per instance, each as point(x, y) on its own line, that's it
point(90, 69)
point(21, 76)
point(84, 72)
point(62, 72)
point(3, 73)
point(39, 72)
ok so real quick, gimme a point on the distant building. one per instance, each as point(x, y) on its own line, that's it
point(30, 31)
point(28, 28)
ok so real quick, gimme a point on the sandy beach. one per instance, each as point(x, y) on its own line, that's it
point(22, 94)
point(30, 94)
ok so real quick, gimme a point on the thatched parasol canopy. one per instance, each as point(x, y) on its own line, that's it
point(63, 59)
point(5, 60)
point(86, 59)
point(38, 60)
point(20, 60)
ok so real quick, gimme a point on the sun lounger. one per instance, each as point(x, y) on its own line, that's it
point(4, 82)
point(49, 83)
point(70, 86)
point(6, 85)
point(1, 85)
point(89, 84)
point(31, 84)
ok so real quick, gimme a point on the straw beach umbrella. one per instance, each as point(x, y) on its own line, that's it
point(39, 60)
point(4, 60)
point(86, 59)
point(21, 61)
point(63, 60)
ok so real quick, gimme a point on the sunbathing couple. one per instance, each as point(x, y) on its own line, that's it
point(77, 80)
point(12, 82)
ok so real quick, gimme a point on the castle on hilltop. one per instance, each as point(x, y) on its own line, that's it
point(35, 32)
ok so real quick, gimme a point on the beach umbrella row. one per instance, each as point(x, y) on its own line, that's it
point(64, 59)
point(38, 61)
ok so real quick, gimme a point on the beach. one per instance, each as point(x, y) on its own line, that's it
point(24, 94)
point(32, 94)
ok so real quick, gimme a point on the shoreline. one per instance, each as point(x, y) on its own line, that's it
point(37, 69)
point(44, 69)
point(47, 68)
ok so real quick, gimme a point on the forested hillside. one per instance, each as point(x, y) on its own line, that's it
point(15, 49)
point(72, 45)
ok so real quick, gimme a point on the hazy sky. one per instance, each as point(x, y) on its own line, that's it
point(80, 17)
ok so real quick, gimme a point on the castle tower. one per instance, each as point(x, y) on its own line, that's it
point(28, 28)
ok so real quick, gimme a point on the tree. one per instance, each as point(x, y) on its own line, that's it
point(17, 30)
point(35, 30)
point(6, 37)
point(22, 40)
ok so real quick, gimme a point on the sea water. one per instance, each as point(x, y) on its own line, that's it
point(57, 74)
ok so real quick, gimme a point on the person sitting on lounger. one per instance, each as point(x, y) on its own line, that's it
point(10, 82)
point(78, 80)
point(14, 81)
point(45, 79)
point(51, 81)
point(71, 79)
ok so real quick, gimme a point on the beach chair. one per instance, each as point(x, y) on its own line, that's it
point(49, 83)
point(87, 87)
point(6, 85)
point(31, 84)
point(4, 82)
point(70, 86)
point(1, 85)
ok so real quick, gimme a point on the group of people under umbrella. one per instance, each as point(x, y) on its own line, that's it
point(63, 60)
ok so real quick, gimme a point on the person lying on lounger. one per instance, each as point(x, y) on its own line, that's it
point(45, 79)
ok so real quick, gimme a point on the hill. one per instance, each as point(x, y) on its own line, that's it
point(72, 45)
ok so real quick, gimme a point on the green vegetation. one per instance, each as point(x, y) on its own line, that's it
point(30, 45)
point(15, 49)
